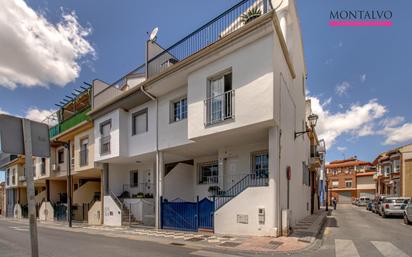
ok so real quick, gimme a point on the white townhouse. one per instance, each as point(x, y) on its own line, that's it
point(213, 116)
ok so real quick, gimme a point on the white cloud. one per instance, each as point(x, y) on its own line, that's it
point(366, 130)
point(395, 135)
point(391, 122)
point(35, 52)
point(3, 111)
point(38, 115)
point(341, 148)
point(342, 88)
point(363, 78)
point(353, 120)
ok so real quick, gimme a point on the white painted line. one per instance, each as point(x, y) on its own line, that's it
point(387, 249)
point(212, 254)
point(345, 248)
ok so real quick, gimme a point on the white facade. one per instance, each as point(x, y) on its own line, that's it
point(267, 92)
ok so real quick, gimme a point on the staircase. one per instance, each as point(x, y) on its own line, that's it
point(127, 216)
point(250, 180)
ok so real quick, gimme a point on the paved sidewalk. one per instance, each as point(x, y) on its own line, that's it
point(304, 236)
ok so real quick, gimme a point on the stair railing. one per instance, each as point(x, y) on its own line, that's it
point(250, 180)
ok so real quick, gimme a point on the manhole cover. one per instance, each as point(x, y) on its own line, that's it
point(177, 244)
point(194, 239)
point(230, 244)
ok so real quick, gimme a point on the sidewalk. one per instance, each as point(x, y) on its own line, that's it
point(304, 236)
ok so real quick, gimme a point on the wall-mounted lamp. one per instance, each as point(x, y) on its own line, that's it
point(313, 119)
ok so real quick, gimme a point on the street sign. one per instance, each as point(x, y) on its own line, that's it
point(11, 136)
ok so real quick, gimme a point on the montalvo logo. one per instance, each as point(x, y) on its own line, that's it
point(360, 18)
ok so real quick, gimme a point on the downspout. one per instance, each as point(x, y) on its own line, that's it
point(157, 204)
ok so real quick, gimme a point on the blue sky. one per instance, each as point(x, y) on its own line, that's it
point(358, 77)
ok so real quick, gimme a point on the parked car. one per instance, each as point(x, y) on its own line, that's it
point(363, 201)
point(355, 201)
point(393, 206)
point(378, 202)
point(407, 214)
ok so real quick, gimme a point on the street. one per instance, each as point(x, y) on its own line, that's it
point(350, 232)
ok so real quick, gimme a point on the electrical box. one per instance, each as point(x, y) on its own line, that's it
point(261, 216)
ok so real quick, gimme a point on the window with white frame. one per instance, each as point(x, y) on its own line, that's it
point(105, 128)
point(134, 178)
point(208, 173)
point(219, 104)
point(260, 164)
point(335, 183)
point(348, 183)
point(139, 122)
point(396, 165)
point(179, 109)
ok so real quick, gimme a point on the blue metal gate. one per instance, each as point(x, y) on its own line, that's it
point(206, 210)
point(188, 216)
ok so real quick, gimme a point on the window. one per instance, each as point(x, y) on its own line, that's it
point(260, 164)
point(43, 166)
point(219, 103)
point(13, 172)
point(335, 183)
point(305, 175)
point(396, 166)
point(134, 178)
point(208, 173)
point(179, 108)
point(139, 122)
point(84, 153)
point(105, 128)
point(348, 183)
point(60, 156)
point(8, 177)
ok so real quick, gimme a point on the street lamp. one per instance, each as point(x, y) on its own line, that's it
point(313, 119)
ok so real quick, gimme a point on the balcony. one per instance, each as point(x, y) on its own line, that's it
point(219, 108)
point(69, 123)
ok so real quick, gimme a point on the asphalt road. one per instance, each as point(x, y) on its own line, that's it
point(350, 232)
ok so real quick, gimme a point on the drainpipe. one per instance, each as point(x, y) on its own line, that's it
point(159, 182)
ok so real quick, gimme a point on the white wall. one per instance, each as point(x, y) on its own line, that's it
point(46, 211)
point(94, 216)
point(119, 175)
point(252, 80)
point(112, 213)
point(178, 183)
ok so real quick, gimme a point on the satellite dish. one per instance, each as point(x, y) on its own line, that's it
point(153, 34)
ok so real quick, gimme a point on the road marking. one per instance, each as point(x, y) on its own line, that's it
point(387, 249)
point(19, 228)
point(212, 254)
point(345, 248)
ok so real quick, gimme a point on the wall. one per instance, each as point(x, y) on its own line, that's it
point(119, 175)
point(95, 214)
point(56, 187)
point(112, 213)
point(252, 80)
point(366, 182)
point(85, 193)
point(246, 203)
point(178, 183)
point(46, 211)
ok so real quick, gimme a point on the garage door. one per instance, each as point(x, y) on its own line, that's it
point(345, 197)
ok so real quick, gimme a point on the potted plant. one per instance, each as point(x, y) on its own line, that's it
point(140, 195)
point(250, 15)
point(214, 190)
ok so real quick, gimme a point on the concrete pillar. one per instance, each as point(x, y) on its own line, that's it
point(159, 185)
point(274, 212)
point(105, 179)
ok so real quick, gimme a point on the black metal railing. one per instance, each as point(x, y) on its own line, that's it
point(250, 180)
point(105, 145)
point(224, 24)
point(219, 108)
point(84, 157)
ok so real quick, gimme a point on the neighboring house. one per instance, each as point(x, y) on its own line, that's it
point(213, 117)
point(72, 149)
point(349, 179)
point(394, 172)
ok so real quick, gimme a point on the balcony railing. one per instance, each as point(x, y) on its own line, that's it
point(105, 145)
point(84, 157)
point(69, 123)
point(224, 24)
point(219, 108)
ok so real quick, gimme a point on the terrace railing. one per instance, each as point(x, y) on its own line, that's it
point(69, 123)
point(224, 24)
